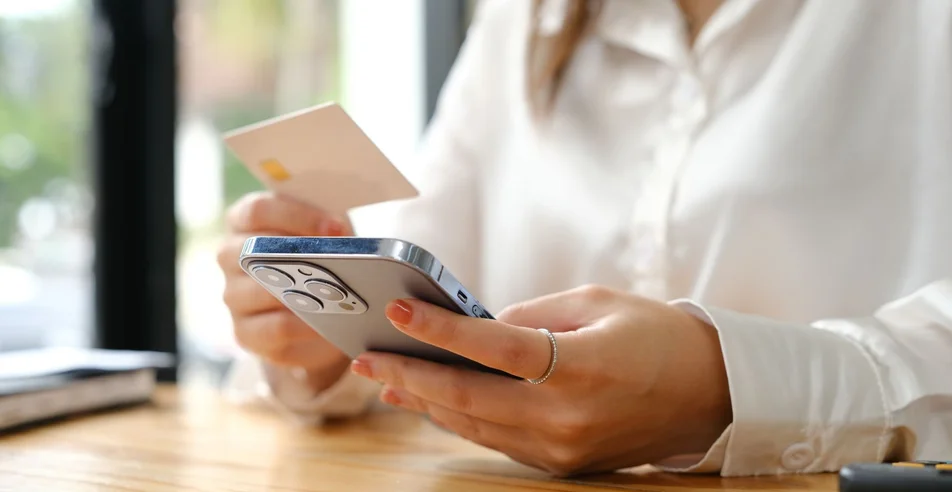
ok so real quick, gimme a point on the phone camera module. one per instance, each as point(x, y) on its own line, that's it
point(325, 290)
point(273, 277)
point(303, 302)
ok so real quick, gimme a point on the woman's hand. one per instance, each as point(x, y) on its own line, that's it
point(636, 381)
point(262, 324)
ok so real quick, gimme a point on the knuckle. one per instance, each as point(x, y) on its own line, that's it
point(458, 396)
point(285, 327)
point(466, 426)
point(570, 428)
point(412, 402)
point(404, 365)
point(267, 340)
point(513, 352)
point(512, 312)
point(229, 297)
point(594, 292)
point(280, 352)
point(244, 337)
point(256, 212)
point(474, 429)
point(243, 295)
point(442, 330)
point(231, 216)
point(238, 210)
point(225, 255)
point(563, 460)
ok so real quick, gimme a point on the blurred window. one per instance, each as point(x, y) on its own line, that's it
point(46, 252)
point(240, 61)
point(245, 61)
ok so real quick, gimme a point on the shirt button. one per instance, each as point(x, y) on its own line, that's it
point(797, 457)
point(686, 92)
point(645, 252)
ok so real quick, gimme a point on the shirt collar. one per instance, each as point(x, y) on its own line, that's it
point(654, 28)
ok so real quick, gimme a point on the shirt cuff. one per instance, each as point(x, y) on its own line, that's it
point(710, 462)
point(289, 394)
point(804, 399)
point(250, 381)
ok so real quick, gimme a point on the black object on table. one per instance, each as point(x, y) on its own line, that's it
point(917, 476)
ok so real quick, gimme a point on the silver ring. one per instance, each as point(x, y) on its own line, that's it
point(554, 359)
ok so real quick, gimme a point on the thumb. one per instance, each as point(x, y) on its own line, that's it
point(561, 312)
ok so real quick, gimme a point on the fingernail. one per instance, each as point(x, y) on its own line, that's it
point(333, 228)
point(390, 397)
point(400, 312)
point(362, 368)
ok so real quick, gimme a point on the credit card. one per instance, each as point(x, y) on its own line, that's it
point(321, 157)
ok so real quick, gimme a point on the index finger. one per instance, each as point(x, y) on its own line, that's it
point(562, 311)
point(522, 352)
point(267, 211)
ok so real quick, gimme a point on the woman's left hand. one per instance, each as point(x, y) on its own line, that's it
point(636, 381)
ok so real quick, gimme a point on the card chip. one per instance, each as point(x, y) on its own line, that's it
point(275, 170)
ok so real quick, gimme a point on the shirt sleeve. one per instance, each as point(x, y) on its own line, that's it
point(286, 391)
point(816, 397)
point(444, 219)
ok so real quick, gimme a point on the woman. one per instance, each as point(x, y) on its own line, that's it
point(760, 193)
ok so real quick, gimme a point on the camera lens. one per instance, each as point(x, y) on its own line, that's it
point(273, 277)
point(325, 290)
point(303, 302)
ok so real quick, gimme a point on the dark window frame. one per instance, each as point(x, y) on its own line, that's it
point(134, 116)
point(445, 23)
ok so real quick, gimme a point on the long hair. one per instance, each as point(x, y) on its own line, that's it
point(549, 55)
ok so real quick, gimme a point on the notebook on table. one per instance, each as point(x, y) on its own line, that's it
point(46, 384)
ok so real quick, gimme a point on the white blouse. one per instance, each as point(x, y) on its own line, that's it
point(788, 178)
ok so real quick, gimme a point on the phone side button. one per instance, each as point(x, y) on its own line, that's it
point(479, 312)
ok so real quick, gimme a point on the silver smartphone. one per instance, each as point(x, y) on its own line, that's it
point(340, 287)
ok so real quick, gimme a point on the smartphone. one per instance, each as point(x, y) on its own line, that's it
point(340, 287)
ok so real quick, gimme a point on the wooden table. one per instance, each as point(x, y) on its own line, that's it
point(191, 440)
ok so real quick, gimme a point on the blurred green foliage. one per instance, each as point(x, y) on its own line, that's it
point(44, 101)
point(45, 93)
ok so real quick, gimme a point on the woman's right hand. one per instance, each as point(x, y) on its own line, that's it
point(262, 324)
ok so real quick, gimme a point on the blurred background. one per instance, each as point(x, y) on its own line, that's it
point(113, 178)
